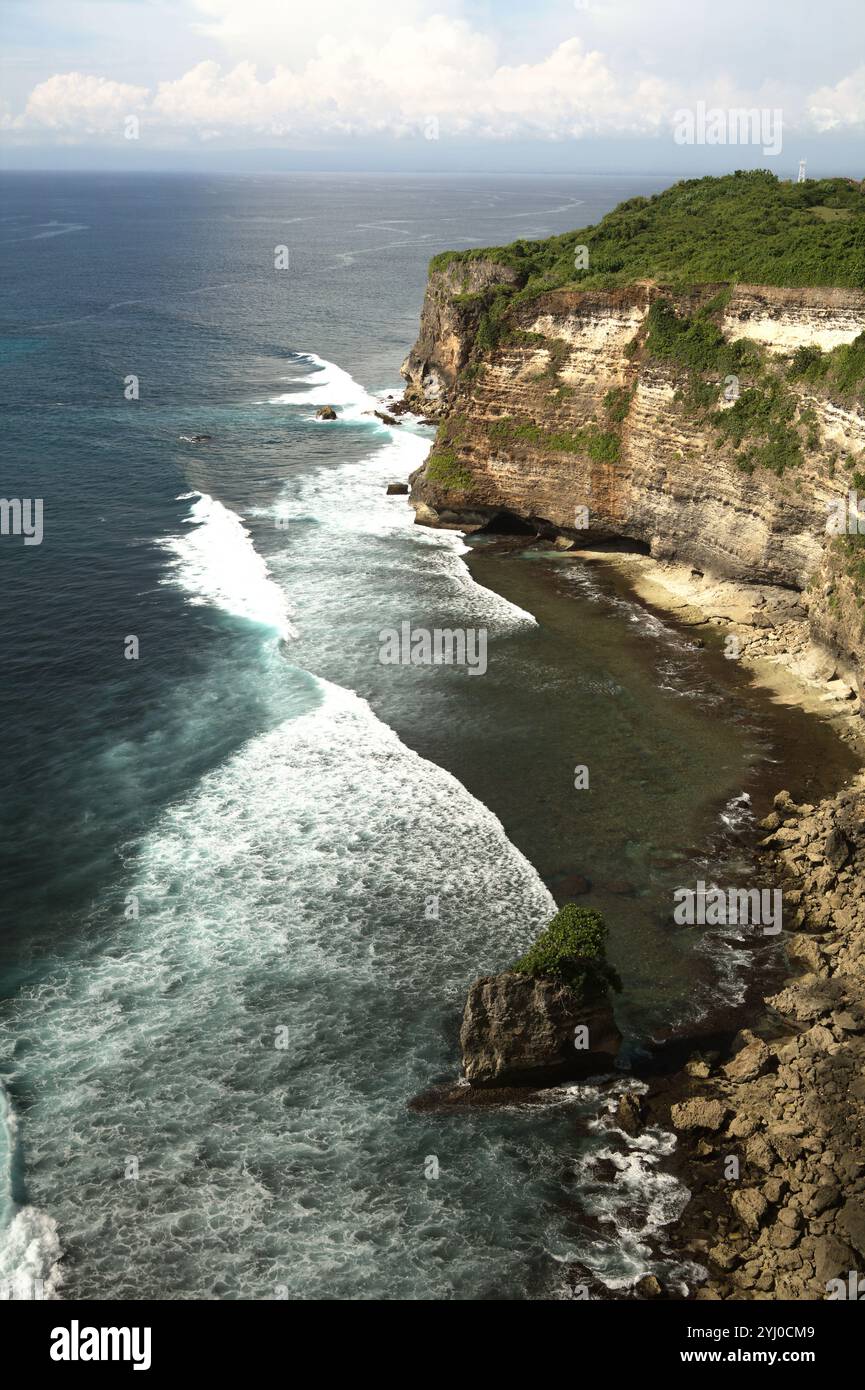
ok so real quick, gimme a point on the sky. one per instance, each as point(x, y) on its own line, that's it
point(433, 85)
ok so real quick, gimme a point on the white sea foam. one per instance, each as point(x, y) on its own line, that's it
point(352, 500)
point(29, 1245)
point(636, 1205)
point(291, 890)
point(288, 891)
point(738, 814)
point(331, 385)
point(216, 563)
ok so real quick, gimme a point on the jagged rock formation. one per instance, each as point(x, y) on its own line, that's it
point(526, 431)
point(519, 1031)
point(447, 330)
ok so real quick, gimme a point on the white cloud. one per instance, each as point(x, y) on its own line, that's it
point(841, 105)
point(287, 34)
point(381, 68)
point(373, 85)
point(443, 69)
point(73, 101)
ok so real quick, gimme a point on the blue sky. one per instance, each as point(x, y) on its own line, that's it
point(452, 84)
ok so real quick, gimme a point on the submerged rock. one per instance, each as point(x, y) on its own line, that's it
point(569, 885)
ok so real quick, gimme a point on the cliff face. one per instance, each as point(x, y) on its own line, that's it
point(572, 425)
point(447, 332)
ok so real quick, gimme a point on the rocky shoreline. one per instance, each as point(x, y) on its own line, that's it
point(767, 628)
point(772, 1136)
point(772, 1141)
point(771, 1133)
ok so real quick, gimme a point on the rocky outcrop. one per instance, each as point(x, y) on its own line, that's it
point(789, 1108)
point(519, 1031)
point(449, 322)
point(526, 432)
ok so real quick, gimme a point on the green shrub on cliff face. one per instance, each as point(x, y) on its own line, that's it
point(443, 467)
point(617, 403)
point(763, 420)
point(762, 424)
point(572, 949)
point(602, 446)
point(697, 343)
point(853, 551)
point(842, 369)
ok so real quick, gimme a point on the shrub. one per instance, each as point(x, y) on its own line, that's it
point(444, 468)
point(617, 403)
point(572, 948)
point(602, 446)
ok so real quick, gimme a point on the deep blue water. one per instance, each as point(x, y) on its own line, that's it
point(218, 981)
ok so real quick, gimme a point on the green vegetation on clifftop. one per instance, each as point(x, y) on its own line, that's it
point(746, 227)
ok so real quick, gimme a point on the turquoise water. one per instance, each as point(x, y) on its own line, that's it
point(219, 983)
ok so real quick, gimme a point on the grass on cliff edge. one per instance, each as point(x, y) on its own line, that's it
point(745, 227)
point(572, 948)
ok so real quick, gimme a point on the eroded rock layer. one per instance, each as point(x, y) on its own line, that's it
point(573, 426)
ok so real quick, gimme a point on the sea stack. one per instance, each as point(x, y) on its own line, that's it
point(548, 1019)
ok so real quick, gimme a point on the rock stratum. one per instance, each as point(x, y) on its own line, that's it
point(574, 427)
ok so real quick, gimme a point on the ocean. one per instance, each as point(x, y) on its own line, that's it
point(220, 977)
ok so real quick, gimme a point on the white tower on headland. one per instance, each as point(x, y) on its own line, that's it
point(801, 178)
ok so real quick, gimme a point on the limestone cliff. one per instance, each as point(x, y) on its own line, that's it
point(574, 424)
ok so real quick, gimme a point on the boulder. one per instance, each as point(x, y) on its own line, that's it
point(785, 805)
point(648, 1287)
point(397, 489)
point(699, 1114)
point(750, 1206)
point(519, 1030)
point(851, 1223)
point(629, 1112)
point(837, 848)
point(750, 1062)
point(326, 412)
point(832, 1259)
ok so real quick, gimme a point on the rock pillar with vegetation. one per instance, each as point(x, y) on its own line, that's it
point(548, 1019)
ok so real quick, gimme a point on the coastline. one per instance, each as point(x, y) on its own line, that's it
point(771, 630)
point(782, 1227)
